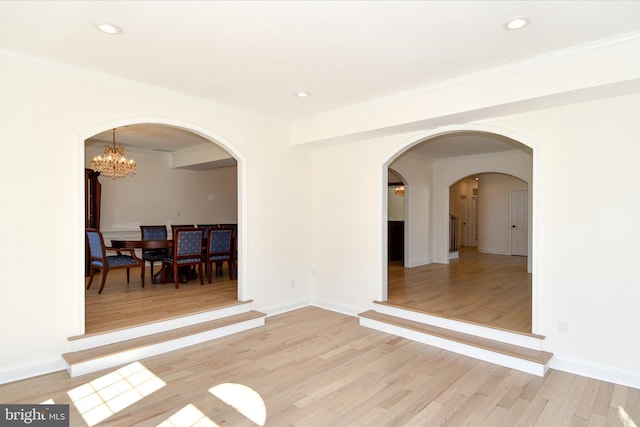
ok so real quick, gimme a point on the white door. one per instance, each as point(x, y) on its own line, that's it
point(519, 222)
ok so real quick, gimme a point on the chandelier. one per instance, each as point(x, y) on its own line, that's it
point(399, 190)
point(113, 163)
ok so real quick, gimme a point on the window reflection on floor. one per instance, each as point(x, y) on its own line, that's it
point(189, 416)
point(243, 399)
point(111, 393)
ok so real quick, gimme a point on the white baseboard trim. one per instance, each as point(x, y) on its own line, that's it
point(418, 262)
point(34, 369)
point(493, 252)
point(454, 255)
point(273, 310)
point(599, 372)
point(349, 310)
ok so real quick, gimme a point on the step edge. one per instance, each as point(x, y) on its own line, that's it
point(172, 334)
point(131, 355)
point(455, 319)
point(542, 357)
point(525, 365)
point(498, 334)
point(228, 306)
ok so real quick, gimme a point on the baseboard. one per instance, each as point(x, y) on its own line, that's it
point(348, 310)
point(418, 263)
point(493, 252)
point(272, 310)
point(599, 372)
point(21, 372)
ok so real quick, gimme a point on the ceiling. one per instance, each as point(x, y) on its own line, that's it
point(255, 56)
point(465, 144)
point(165, 139)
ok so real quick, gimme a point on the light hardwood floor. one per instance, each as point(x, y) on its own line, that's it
point(492, 290)
point(123, 305)
point(313, 367)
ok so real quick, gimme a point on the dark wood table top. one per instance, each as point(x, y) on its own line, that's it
point(141, 244)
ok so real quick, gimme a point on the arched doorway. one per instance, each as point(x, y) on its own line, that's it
point(458, 152)
point(233, 155)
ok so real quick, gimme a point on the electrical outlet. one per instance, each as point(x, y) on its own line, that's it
point(563, 326)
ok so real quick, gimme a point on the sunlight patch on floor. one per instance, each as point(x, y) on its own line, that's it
point(625, 418)
point(243, 399)
point(189, 416)
point(99, 399)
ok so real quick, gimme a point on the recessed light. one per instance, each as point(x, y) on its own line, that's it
point(108, 28)
point(302, 94)
point(517, 23)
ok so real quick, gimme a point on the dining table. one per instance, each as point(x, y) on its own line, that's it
point(160, 276)
point(142, 244)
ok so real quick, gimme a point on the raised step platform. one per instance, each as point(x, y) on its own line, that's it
point(468, 343)
point(101, 351)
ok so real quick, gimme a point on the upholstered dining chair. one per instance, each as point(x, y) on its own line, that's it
point(206, 228)
point(99, 260)
point(175, 227)
point(187, 251)
point(219, 250)
point(153, 232)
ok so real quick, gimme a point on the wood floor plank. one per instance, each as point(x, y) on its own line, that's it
point(124, 305)
point(492, 290)
point(338, 373)
point(488, 289)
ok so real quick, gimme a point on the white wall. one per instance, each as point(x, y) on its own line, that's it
point(494, 212)
point(418, 226)
point(461, 205)
point(396, 205)
point(585, 152)
point(158, 193)
point(584, 263)
point(49, 110)
point(448, 171)
point(427, 197)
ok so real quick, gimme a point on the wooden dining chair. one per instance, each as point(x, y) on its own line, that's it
point(219, 250)
point(99, 260)
point(153, 232)
point(175, 227)
point(187, 252)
